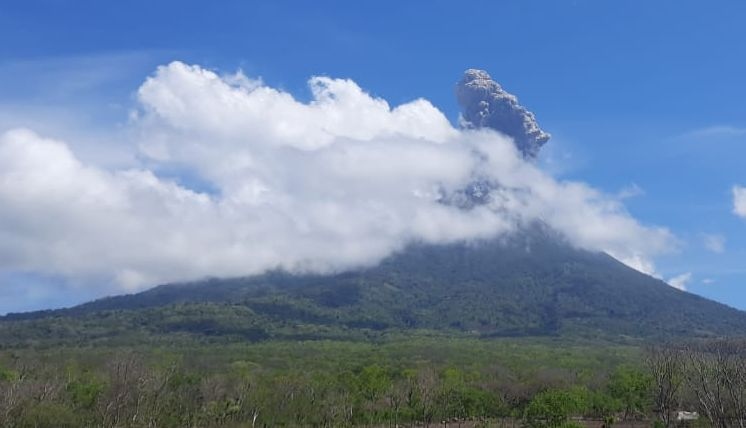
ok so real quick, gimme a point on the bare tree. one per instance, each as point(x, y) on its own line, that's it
point(665, 364)
point(396, 395)
point(12, 393)
point(716, 376)
point(122, 402)
point(734, 379)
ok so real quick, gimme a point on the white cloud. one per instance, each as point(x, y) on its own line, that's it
point(719, 131)
point(708, 281)
point(631, 191)
point(680, 281)
point(339, 182)
point(714, 243)
point(739, 201)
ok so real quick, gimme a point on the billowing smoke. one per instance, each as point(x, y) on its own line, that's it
point(335, 183)
point(485, 104)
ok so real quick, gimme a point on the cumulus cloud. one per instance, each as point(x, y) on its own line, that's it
point(680, 281)
point(739, 201)
point(336, 183)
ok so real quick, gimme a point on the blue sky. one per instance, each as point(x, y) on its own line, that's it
point(642, 98)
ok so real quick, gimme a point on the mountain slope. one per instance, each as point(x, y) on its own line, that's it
point(532, 284)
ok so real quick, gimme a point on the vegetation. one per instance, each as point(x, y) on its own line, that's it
point(527, 332)
point(423, 380)
point(707, 376)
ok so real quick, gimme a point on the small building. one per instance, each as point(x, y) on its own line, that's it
point(682, 415)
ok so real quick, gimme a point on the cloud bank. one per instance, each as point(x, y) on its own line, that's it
point(336, 183)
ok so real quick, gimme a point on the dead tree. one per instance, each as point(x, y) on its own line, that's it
point(665, 364)
point(716, 375)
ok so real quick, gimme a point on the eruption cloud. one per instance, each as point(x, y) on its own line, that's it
point(486, 104)
point(337, 183)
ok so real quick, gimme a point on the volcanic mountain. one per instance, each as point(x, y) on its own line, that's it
point(529, 283)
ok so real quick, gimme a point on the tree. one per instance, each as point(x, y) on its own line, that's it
point(716, 375)
point(553, 408)
point(631, 388)
point(665, 365)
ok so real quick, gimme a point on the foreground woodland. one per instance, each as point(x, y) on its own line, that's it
point(417, 382)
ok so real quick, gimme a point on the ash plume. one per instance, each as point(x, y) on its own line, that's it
point(485, 104)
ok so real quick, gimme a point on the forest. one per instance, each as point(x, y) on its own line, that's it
point(419, 381)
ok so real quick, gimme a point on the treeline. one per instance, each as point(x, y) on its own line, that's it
point(129, 391)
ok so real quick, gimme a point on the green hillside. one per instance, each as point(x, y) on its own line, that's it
point(529, 285)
